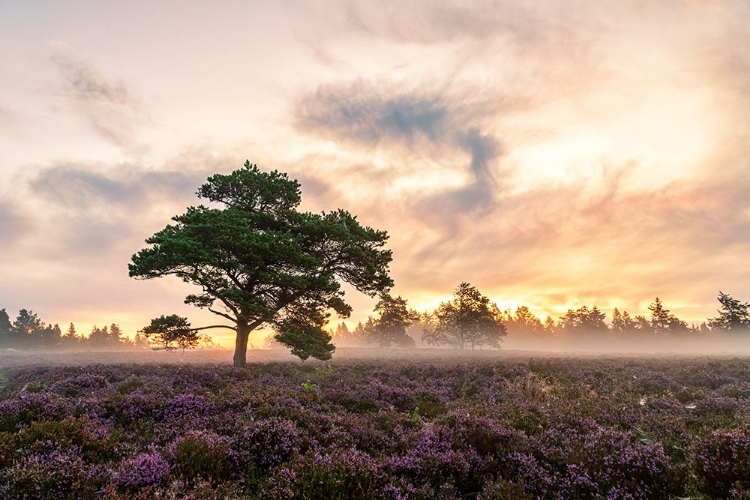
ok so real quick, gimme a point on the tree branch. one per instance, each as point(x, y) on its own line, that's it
point(213, 326)
point(223, 315)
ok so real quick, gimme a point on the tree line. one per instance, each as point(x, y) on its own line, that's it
point(468, 321)
point(28, 331)
point(471, 320)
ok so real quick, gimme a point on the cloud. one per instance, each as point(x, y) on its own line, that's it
point(110, 106)
point(421, 123)
point(360, 114)
point(13, 225)
point(100, 209)
point(126, 186)
point(615, 248)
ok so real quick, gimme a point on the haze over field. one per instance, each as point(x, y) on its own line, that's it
point(552, 154)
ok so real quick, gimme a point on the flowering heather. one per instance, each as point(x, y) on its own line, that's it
point(144, 469)
point(432, 429)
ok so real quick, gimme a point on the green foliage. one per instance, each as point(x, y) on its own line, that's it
point(266, 263)
point(201, 455)
point(415, 413)
point(6, 328)
point(389, 327)
point(305, 336)
point(339, 476)
point(467, 321)
point(733, 314)
point(584, 319)
point(663, 321)
point(171, 332)
point(129, 385)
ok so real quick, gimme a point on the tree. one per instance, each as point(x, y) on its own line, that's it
point(6, 328)
point(523, 323)
point(342, 336)
point(659, 317)
point(171, 332)
point(115, 335)
point(662, 321)
point(49, 336)
point(550, 326)
point(389, 327)
point(261, 262)
point(99, 337)
point(622, 323)
point(469, 320)
point(70, 337)
point(27, 328)
point(733, 314)
point(583, 320)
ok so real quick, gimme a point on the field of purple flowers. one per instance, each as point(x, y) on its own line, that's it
point(487, 429)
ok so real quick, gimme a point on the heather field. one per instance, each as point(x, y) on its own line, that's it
point(428, 426)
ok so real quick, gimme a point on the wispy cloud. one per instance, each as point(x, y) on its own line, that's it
point(110, 106)
point(415, 123)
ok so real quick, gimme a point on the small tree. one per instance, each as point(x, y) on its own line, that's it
point(6, 328)
point(622, 323)
point(393, 318)
point(662, 321)
point(171, 332)
point(660, 317)
point(733, 314)
point(467, 321)
point(70, 337)
point(27, 328)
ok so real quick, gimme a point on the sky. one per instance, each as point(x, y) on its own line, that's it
point(553, 154)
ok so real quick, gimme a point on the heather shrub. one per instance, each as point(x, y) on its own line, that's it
point(722, 463)
point(30, 407)
point(131, 410)
point(339, 475)
point(8, 449)
point(266, 443)
point(429, 405)
point(79, 385)
point(52, 474)
point(545, 429)
point(200, 455)
point(428, 457)
point(187, 407)
point(504, 490)
point(68, 432)
point(129, 385)
point(142, 470)
point(622, 468)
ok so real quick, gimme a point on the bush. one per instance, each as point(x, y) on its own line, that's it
point(722, 463)
point(266, 443)
point(55, 474)
point(348, 474)
point(201, 455)
point(142, 470)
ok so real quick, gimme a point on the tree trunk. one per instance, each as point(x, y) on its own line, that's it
point(240, 345)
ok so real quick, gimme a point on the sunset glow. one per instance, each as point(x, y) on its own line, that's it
point(553, 154)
